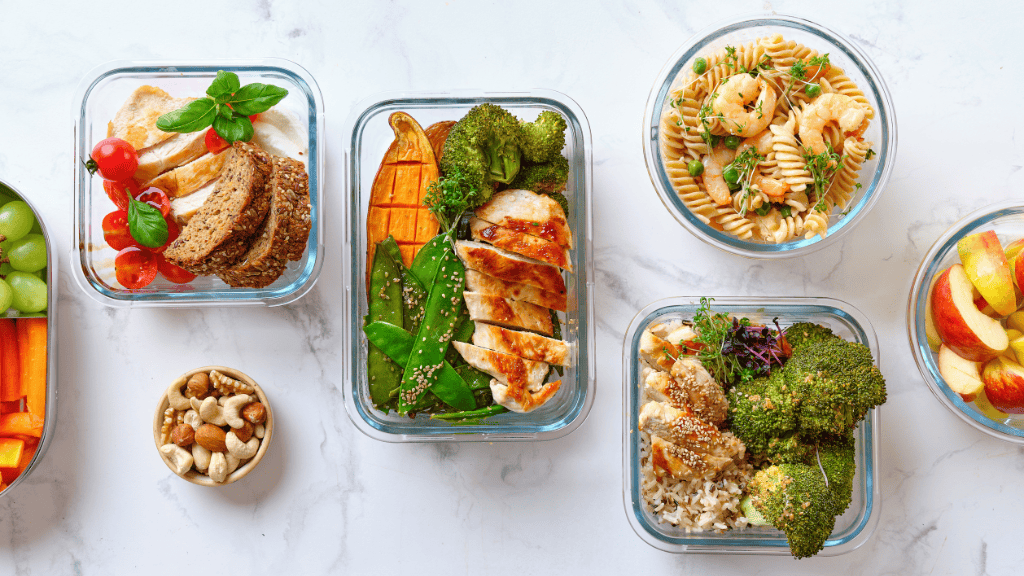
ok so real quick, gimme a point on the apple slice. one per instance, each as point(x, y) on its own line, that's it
point(1016, 321)
point(1017, 347)
point(987, 409)
point(1004, 385)
point(961, 375)
point(985, 263)
point(961, 326)
point(1014, 256)
point(930, 333)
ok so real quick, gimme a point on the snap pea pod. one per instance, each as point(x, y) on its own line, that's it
point(428, 259)
point(413, 292)
point(470, 417)
point(435, 332)
point(398, 344)
point(475, 379)
point(385, 304)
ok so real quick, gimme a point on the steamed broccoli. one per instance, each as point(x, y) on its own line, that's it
point(486, 144)
point(547, 177)
point(543, 138)
point(802, 332)
point(795, 499)
point(761, 410)
point(839, 463)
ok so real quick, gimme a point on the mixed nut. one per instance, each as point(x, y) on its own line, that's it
point(213, 423)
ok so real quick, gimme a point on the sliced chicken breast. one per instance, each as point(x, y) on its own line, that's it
point(522, 344)
point(520, 243)
point(480, 282)
point(186, 179)
point(507, 369)
point(510, 267)
point(135, 121)
point(667, 459)
point(178, 150)
point(184, 207)
point(689, 384)
point(659, 353)
point(686, 430)
point(527, 400)
point(529, 212)
point(509, 313)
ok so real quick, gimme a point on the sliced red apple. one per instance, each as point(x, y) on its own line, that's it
point(985, 263)
point(1017, 347)
point(987, 409)
point(961, 326)
point(1016, 321)
point(1014, 256)
point(930, 333)
point(961, 375)
point(1004, 385)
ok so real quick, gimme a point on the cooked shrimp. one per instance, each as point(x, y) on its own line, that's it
point(831, 107)
point(775, 189)
point(762, 142)
point(735, 95)
point(713, 180)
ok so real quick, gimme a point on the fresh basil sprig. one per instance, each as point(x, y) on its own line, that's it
point(227, 108)
point(146, 224)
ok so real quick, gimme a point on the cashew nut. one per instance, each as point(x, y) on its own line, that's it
point(192, 419)
point(218, 469)
point(195, 403)
point(231, 408)
point(201, 456)
point(232, 463)
point(259, 431)
point(174, 397)
point(211, 412)
point(179, 458)
point(239, 449)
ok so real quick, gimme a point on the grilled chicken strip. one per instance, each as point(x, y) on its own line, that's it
point(485, 284)
point(510, 267)
point(528, 212)
point(689, 384)
point(667, 459)
point(508, 313)
point(520, 243)
point(661, 354)
point(518, 384)
point(686, 430)
point(522, 344)
point(528, 401)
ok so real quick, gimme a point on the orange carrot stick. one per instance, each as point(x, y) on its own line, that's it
point(10, 367)
point(21, 424)
point(33, 363)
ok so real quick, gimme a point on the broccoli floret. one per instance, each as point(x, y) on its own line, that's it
point(547, 177)
point(795, 499)
point(837, 383)
point(839, 461)
point(544, 138)
point(752, 514)
point(486, 144)
point(803, 332)
point(789, 448)
point(761, 411)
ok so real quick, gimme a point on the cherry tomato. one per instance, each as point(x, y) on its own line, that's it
point(135, 268)
point(214, 143)
point(254, 118)
point(156, 198)
point(172, 234)
point(116, 232)
point(115, 160)
point(118, 192)
point(172, 272)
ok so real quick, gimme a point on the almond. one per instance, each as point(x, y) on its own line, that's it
point(183, 435)
point(255, 413)
point(244, 433)
point(199, 385)
point(211, 437)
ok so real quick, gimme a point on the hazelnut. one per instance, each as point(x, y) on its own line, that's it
point(199, 385)
point(255, 413)
point(211, 437)
point(245, 432)
point(183, 435)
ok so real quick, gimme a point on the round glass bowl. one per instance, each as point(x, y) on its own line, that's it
point(881, 132)
point(1006, 219)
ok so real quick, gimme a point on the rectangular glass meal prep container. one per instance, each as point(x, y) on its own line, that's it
point(369, 136)
point(852, 529)
point(100, 94)
point(50, 417)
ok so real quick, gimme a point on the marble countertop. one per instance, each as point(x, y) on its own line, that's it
point(329, 500)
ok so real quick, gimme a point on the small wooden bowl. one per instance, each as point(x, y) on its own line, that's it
point(202, 479)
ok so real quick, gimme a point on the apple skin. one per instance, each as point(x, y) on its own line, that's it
point(1015, 256)
point(961, 326)
point(961, 375)
point(931, 334)
point(982, 404)
point(1004, 385)
point(1016, 321)
point(985, 263)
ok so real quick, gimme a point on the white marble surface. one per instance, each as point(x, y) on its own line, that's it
point(327, 499)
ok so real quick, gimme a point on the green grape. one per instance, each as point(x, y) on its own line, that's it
point(36, 228)
point(16, 220)
point(5, 197)
point(29, 292)
point(6, 269)
point(28, 254)
point(41, 274)
point(6, 296)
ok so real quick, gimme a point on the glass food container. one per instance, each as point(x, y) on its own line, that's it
point(49, 274)
point(1006, 219)
point(101, 93)
point(873, 175)
point(852, 529)
point(369, 136)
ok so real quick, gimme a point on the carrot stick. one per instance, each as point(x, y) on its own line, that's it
point(10, 367)
point(33, 363)
point(21, 424)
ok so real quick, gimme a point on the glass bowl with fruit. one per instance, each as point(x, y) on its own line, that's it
point(965, 324)
point(198, 183)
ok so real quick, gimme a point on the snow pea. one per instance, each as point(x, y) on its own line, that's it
point(385, 305)
point(413, 292)
point(470, 417)
point(428, 259)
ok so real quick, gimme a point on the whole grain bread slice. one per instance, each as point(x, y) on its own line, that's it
point(221, 230)
point(283, 233)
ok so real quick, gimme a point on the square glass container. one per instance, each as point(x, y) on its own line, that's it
point(101, 93)
point(1006, 219)
point(369, 136)
point(852, 529)
point(51, 276)
point(842, 52)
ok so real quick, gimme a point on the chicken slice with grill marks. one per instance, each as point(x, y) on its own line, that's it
point(689, 384)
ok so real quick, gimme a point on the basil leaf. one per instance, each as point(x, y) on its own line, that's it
point(193, 117)
point(256, 98)
point(146, 224)
point(226, 83)
point(225, 112)
point(233, 129)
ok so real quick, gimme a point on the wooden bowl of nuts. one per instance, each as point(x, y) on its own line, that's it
point(213, 425)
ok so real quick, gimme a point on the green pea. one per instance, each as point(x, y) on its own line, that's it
point(695, 167)
point(731, 174)
point(734, 187)
point(732, 142)
point(812, 90)
point(700, 65)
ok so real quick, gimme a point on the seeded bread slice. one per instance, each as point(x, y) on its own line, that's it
point(283, 232)
point(221, 230)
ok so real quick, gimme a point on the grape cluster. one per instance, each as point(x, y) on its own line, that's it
point(22, 259)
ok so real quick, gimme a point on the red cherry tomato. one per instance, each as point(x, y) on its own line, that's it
point(214, 143)
point(172, 234)
point(118, 192)
point(254, 118)
point(156, 198)
point(172, 272)
point(115, 160)
point(115, 231)
point(135, 268)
